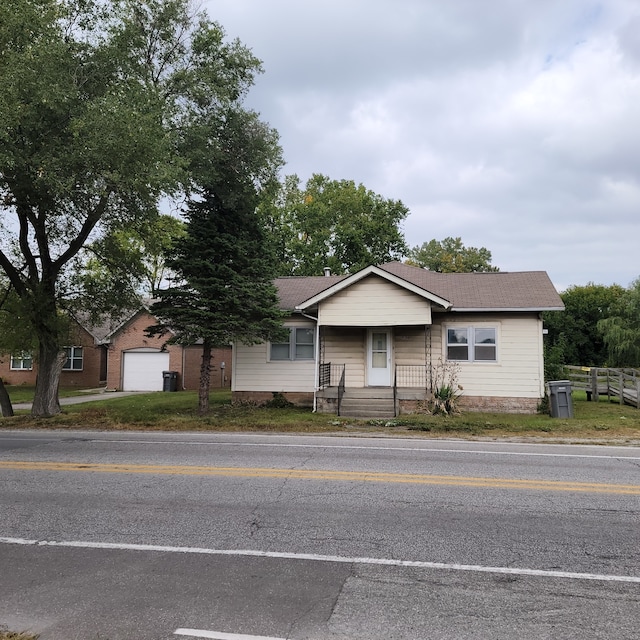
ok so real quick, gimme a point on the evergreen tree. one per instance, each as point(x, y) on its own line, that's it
point(226, 293)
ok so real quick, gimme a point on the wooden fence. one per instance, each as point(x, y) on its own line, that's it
point(622, 385)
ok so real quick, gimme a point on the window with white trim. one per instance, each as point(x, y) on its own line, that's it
point(22, 361)
point(75, 360)
point(299, 346)
point(472, 344)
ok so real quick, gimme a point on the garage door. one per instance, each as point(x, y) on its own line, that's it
point(142, 371)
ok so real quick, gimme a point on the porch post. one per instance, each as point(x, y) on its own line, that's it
point(316, 381)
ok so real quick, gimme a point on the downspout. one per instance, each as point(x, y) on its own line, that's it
point(184, 349)
point(316, 373)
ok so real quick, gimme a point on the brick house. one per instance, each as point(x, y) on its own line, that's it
point(86, 365)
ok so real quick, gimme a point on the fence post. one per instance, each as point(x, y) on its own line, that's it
point(621, 383)
point(594, 384)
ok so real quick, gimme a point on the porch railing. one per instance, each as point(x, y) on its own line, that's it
point(324, 375)
point(395, 392)
point(411, 375)
point(330, 374)
point(341, 387)
point(414, 376)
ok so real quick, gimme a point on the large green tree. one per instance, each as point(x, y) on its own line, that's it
point(621, 330)
point(573, 335)
point(450, 256)
point(123, 264)
point(333, 223)
point(100, 106)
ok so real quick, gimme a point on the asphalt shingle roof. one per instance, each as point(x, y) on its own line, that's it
point(526, 290)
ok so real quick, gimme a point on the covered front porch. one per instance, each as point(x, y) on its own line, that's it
point(375, 372)
point(410, 391)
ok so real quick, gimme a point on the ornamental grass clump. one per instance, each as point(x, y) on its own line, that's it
point(445, 388)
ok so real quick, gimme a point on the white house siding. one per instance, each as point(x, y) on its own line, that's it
point(346, 345)
point(252, 370)
point(519, 371)
point(409, 345)
point(374, 302)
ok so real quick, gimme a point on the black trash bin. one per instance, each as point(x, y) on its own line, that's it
point(169, 380)
point(560, 401)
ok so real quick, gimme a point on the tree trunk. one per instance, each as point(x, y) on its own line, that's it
point(205, 379)
point(45, 400)
point(6, 408)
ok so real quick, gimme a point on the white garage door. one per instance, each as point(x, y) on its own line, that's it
point(142, 371)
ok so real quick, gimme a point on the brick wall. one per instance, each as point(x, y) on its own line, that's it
point(220, 378)
point(498, 405)
point(300, 399)
point(87, 378)
point(132, 336)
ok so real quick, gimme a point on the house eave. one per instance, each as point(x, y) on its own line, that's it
point(503, 309)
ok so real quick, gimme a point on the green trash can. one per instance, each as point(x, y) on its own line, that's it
point(560, 401)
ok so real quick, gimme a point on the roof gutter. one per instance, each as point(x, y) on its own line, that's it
point(503, 309)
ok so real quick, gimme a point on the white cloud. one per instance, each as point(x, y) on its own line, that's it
point(512, 124)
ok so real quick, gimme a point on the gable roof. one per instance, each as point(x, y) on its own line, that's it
point(376, 271)
point(499, 291)
point(105, 327)
point(99, 328)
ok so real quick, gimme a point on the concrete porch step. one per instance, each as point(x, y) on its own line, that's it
point(356, 407)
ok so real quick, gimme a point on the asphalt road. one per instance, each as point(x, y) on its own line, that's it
point(123, 536)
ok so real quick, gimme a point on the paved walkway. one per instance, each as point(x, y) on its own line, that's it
point(89, 397)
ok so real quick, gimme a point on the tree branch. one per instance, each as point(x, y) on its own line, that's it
point(87, 227)
point(12, 273)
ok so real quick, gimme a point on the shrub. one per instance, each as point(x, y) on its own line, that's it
point(278, 402)
point(445, 388)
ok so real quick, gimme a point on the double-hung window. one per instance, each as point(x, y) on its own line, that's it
point(472, 344)
point(74, 359)
point(22, 361)
point(299, 346)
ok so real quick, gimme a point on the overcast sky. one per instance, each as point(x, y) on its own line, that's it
point(514, 124)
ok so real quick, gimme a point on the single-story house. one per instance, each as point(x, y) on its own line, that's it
point(371, 342)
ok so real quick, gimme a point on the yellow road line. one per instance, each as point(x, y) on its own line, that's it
point(335, 476)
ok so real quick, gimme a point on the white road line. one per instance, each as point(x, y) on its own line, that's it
point(389, 562)
point(217, 635)
point(371, 448)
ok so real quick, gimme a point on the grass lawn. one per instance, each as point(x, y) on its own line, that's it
point(602, 421)
point(24, 393)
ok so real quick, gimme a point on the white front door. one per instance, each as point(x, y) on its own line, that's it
point(379, 358)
